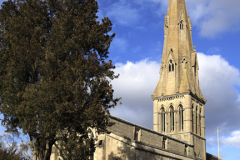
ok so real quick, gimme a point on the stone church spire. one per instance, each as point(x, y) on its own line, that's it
point(179, 66)
point(178, 103)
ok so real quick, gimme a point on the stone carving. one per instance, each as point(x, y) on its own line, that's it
point(166, 21)
point(190, 23)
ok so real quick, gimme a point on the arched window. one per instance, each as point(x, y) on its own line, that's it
point(181, 117)
point(172, 118)
point(200, 120)
point(196, 121)
point(181, 25)
point(163, 119)
point(171, 66)
point(185, 150)
point(164, 143)
point(192, 118)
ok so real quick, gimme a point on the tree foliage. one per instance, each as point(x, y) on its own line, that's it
point(54, 73)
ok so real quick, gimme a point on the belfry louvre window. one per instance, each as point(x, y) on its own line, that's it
point(172, 118)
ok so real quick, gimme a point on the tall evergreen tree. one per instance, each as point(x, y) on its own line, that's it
point(54, 73)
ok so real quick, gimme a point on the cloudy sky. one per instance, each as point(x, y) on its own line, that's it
point(137, 49)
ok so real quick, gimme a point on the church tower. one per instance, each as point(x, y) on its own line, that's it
point(178, 103)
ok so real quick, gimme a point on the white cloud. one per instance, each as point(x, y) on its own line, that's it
point(212, 17)
point(215, 16)
point(217, 81)
point(123, 13)
point(135, 85)
point(233, 140)
point(138, 80)
point(221, 16)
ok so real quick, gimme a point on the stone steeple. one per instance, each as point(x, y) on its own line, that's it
point(179, 66)
point(178, 103)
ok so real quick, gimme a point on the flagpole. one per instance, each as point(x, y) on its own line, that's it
point(218, 144)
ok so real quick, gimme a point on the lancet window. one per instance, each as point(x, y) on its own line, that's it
point(137, 134)
point(171, 66)
point(163, 119)
point(164, 143)
point(192, 118)
point(196, 121)
point(181, 25)
point(172, 118)
point(181, 117)
point(200, 121)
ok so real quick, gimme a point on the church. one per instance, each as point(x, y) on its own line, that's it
point(178, 105)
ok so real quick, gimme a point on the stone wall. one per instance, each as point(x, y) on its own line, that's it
point(128, 141)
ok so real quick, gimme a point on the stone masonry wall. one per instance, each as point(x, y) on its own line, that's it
point(130, 141)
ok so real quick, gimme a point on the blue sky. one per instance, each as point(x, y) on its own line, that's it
point(137, 48)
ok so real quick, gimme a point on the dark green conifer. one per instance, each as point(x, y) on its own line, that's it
point(54, 73)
